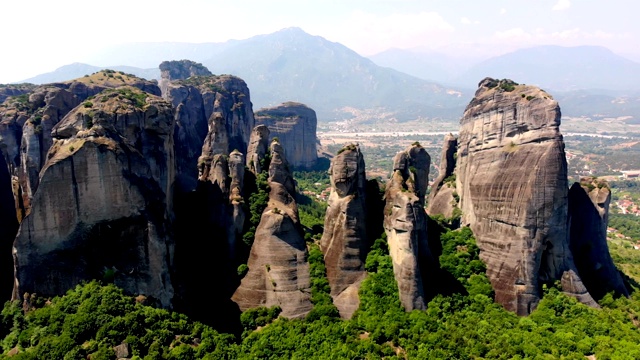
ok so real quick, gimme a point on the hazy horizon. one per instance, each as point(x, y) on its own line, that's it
point(60, 33)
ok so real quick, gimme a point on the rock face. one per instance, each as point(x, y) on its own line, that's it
point(405, 223)
point(344, 241)
point(8, 229)
point(442, 199)
point(294, 124)
point(278, 267)
point(101, 208)
point(26, 122)
point(512, 182)
point(182, 69)
point(258, 146)
point(589, 215)
point(214, 107)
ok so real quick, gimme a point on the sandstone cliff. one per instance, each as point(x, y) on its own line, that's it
point(26, 122)
point(8, 228)
point(344, 241)
point(258, 146)
point(512, 180)
point(101, 207)
point(405, 223)
point(443, 198)
point(295, 125)
point(217, 107)
point(182, 69)
point(588, 215)
point(278, 267)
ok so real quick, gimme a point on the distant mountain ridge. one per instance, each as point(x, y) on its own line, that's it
point(291, 65)
point(560, 68)
point(77, 70)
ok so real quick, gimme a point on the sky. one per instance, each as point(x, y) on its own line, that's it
point(39, 36)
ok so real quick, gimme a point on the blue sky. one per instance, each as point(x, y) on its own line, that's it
point(40, 36)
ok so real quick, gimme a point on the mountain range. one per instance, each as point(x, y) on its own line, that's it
point(291, 65)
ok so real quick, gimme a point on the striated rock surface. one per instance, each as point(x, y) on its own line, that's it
point(344, 241)
point(405, 223)
point(294, 124)
point(101, 209)
point(258, 146)
point(182, 69)
point(512, 182)
point(589, 202)
point(26, 122)
point(278, 267)
point(441, 198)
point(215, 110)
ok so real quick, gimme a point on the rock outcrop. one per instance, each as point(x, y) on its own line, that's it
point(14, 90)
point(214, 107)
point(344, 241)
point(8, 229)
point(278, 267)
point(443, 198)
point(101, 208)
point(182, 69)
point(589, 202)
point(405, 223)
point(258, 146)
point(512, 180)
point(26, 122)
point(294, 124)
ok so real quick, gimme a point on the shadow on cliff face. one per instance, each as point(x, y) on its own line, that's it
point(8, 230)
point(443, 282)
point(205, 278)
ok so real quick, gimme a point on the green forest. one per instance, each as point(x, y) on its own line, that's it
point(94, 318)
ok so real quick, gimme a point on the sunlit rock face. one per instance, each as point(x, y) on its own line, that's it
point(344, 241)
point(101, 210)
point(511, 177)
point(405, 223)
point(278, 265)
point(294, 124)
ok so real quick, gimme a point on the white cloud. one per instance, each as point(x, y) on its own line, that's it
point(503, 11)
point(562, 5)
point(465, 20)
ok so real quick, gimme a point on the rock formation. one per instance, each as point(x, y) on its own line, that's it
point(589, 202)
point(182, 69)
point(512, 180)
point(294, 124)
point(344, 241)
point(443, 198)
point(101, 208)
point(8, 229)
point(258, 146)
point(26, 122)
point(278, 267)
point(218, 107)
point(14, 90)
point(405, 222)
